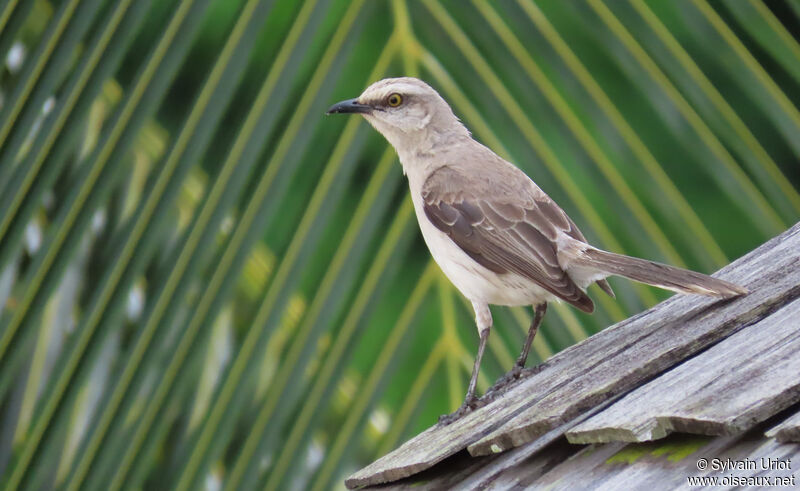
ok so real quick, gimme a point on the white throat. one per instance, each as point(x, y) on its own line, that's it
point(421, 151)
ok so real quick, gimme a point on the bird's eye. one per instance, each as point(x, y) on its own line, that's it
point(394, 100)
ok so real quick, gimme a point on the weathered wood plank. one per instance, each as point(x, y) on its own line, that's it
point(624, 356)
point(787, 431)
point(464, 471)
point(604, 366)
point(662, 464)
point(728, 389)
point(667, 464)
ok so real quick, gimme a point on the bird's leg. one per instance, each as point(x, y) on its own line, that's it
point(516, 370)
point(476, 367)
point(483, 318)
point(538, 315)
point(470, 401)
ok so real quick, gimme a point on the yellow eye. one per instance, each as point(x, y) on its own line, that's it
point(394, 100)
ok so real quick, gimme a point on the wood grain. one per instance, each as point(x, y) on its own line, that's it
point(726, 390)
point(667, 464)
point(788, 430)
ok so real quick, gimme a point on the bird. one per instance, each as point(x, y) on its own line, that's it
point(494, 233)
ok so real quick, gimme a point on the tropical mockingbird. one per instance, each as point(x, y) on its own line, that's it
point(498, 237)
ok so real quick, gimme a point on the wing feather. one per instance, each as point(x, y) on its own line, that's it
point(505, 231)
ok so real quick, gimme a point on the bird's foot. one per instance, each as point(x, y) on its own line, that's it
point(509, 377)
point(467, 407)
point(516, 373)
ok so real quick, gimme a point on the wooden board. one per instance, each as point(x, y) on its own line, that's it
point(788, 430)
point(726, 390)
point(666, 464)
point(467, 472)
point(605, 366)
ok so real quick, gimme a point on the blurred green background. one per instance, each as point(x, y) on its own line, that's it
point(206, 283)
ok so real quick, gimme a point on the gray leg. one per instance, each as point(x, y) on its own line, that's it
point(538, 315)
point(483, 318)
point(516, 370)
point(473, 380)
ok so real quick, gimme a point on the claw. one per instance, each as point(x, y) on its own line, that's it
point(467, 407)
point(509, 377)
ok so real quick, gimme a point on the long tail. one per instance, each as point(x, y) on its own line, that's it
point(660, 275)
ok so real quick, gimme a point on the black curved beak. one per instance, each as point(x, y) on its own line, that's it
point(349, 106)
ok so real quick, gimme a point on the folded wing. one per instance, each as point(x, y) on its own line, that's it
point(505, 227)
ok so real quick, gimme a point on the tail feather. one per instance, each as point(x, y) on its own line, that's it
point(660, 275)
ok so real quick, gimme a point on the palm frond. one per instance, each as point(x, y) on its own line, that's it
point(206, 282)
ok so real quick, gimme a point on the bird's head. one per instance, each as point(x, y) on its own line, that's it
point(407, 111)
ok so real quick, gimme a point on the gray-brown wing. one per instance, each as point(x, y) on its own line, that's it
point(502, 232)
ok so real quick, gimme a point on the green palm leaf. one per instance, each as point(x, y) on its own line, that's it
point(207, 282)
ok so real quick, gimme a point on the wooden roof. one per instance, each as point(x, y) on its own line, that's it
point(728, 370)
